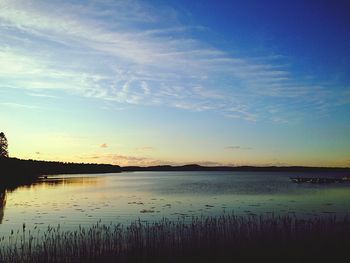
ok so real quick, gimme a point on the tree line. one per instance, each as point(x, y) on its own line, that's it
point(15, 170)
point(3, 146)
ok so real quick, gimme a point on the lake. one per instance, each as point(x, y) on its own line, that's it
point(73, 200)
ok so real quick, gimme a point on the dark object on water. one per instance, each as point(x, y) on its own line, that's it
point(319, 180)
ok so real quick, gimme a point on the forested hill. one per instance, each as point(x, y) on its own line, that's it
point(11, 168)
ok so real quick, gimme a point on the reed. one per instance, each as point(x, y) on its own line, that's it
point(224, 238)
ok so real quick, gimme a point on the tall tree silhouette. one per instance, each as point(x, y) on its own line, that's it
point(3, 145)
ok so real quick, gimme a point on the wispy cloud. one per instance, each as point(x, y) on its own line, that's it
point(42, 95)
point(145, 148)
point(237, 147)
point(120, 159)
point(345, 98)
point(129, 52)
point(233, 147)
point(18, 105)
point(139, 160)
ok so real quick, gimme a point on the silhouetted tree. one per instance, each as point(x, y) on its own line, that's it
point(3, 145)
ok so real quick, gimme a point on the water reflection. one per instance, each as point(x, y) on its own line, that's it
point(2, 203)
point(44, 182)
point(56, 181)
point(73, 200)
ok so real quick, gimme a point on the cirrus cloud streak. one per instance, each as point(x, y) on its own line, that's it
point(130, 53)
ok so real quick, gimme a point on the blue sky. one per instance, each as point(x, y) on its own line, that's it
point(173, 82)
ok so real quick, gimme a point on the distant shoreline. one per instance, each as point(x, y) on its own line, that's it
point(13, 169)
point(196, 167)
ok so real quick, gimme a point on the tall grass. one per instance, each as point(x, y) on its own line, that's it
point(225, 238)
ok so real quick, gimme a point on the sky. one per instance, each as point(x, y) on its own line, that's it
point(176, 82)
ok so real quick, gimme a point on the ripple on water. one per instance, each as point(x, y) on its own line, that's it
point(93, 205)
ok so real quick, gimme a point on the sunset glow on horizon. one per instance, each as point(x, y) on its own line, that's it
point(176, 82)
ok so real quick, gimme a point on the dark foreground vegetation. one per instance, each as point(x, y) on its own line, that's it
point(227, 238)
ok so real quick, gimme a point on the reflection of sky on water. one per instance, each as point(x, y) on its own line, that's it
point(84, 199)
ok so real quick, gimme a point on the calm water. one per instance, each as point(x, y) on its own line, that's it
point(73, 200)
